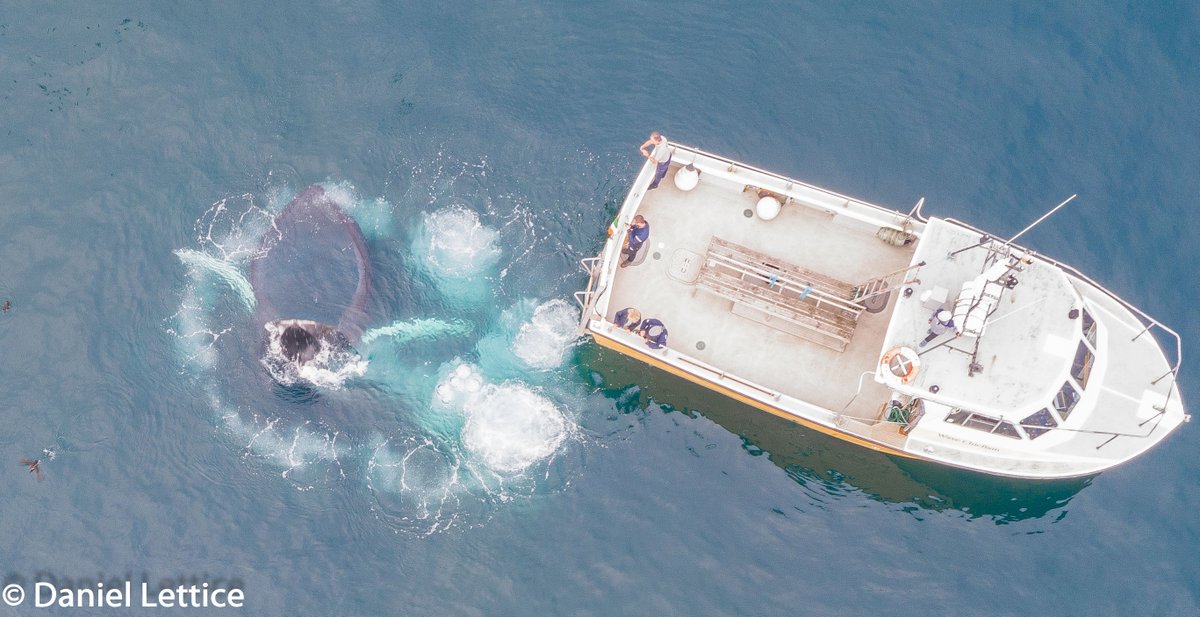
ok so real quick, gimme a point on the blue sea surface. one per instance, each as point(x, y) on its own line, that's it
point(478, 458)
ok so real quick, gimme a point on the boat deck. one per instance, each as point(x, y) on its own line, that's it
point(777, 350)
point(783, 313)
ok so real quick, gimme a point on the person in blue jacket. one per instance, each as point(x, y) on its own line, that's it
point(654, 332)
point(628, 319)
point(639, 232)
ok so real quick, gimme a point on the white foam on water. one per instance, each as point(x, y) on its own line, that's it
point(478, 443)
point(417, 329)
point(195, 336)
point(494, 443)
point(544, 341)
point(455, 244)
point(374, 216)
point(331, 370)
point(192, 336)
point(461, 383)
point(510, 427)
point(529, 341)
point(201, 264)
point(229, 234)
point(234, 228)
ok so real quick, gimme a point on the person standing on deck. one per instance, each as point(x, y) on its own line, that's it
point(941, 323)
point(659, 152)
point(639, 232)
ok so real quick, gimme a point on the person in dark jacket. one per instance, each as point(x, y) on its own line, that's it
point(639, 232)
point(628, 319)
point(654, 332)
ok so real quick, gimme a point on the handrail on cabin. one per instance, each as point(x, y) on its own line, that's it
point(1147, 321)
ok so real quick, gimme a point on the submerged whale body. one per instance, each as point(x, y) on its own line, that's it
point(311, 278)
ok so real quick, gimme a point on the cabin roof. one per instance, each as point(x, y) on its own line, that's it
point(1027, 344)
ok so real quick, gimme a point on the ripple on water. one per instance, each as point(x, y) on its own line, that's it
point(415, 481)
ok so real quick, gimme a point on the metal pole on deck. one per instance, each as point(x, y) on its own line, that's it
point(1043, 217)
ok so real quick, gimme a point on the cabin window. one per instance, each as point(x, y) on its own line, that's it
point(1033, 424)
point(1007, 429)
point(1065, 400)
point(980, 423)
point(1081, 369)
point(1089, 328)
point(983, 423)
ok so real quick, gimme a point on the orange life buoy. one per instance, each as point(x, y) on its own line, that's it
point(902, 363)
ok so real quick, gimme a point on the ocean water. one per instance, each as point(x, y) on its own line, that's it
point(475, 457)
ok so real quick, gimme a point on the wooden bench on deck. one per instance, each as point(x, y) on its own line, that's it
point(784, 296)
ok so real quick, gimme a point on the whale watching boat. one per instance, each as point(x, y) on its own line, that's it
point(920, 337)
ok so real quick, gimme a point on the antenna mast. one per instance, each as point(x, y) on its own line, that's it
point(1042, 218)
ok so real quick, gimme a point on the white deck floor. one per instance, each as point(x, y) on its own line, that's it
point(837, 246)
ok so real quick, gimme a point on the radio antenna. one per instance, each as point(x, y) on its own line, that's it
point(1042, 218)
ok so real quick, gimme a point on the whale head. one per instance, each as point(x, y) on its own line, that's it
point(311, 279)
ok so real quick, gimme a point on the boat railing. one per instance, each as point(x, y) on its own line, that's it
point(587, 298)
point(600, 267)
point(789, 183)
point(1147, 321)
point(719, 375)
point(724, 375)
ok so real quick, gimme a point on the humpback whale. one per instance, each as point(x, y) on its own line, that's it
point(311, 278)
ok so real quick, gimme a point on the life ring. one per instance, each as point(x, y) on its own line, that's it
point(901, 363)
